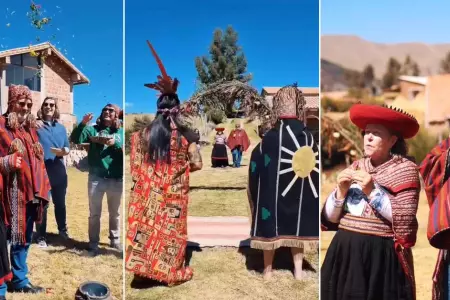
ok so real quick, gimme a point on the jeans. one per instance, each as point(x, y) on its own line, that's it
point(97, 188)
point(58, 195)
point(18, 257)
point(237, 157)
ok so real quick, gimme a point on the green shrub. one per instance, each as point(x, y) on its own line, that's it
point(329, 104)
point(421, 144)
point(138, 124)
point(216, 115)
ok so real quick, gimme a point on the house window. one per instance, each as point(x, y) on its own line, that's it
point(23, 70)
point(412, 94)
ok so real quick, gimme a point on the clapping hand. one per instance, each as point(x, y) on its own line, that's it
point(87, 118)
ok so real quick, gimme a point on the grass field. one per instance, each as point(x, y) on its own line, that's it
point(230, 273)
point(424, 255)
point(62, 269)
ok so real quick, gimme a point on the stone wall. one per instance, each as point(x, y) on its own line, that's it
point(58, 84)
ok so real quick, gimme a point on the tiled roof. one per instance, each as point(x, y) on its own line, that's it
point(305, 90)
point(43, 46)
point(414, 79)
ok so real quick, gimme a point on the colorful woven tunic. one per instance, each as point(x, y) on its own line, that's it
point(435, 170)
point(157, 214)
point(364, 234)
point(283, 188)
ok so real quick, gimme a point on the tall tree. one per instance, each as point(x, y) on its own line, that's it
point(392, 73)
point(410, 67)
point(226, 59)
point(226, 62)
point(445, 64)
point(368, 75)
point(354, 79)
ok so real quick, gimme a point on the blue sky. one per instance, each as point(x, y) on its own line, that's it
point(280, 40)
point(388, 21)
point(90, 32)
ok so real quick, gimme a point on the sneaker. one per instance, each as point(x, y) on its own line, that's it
point(42, 243)
point(93, 252)
point(28, 289)
point(116, 245)
point(64, 235)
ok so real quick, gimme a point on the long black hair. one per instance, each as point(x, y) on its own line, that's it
point(159, 131)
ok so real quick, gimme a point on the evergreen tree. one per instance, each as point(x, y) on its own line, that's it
point(226, 59)
point(410, 67)
point(226, 62)
point(445, 64)
point(368, 75)
point(392, 73)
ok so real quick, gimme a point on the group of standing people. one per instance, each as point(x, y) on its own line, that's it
point(33, 171)
point(163, 155)
point(237, 141)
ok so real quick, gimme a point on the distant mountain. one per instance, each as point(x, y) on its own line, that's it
point(355, 53)
point(332, 76)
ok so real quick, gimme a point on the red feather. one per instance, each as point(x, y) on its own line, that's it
point(159, 62)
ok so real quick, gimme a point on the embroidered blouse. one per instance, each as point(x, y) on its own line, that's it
point(220, 139)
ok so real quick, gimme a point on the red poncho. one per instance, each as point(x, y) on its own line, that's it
point(238, 137)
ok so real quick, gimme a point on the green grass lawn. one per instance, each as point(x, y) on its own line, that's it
point(62, 269)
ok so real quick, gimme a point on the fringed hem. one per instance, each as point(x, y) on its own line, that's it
point(306, 245)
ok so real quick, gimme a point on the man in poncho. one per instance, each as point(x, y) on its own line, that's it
point(26, 185)
point(238, 142)
point(283, 185)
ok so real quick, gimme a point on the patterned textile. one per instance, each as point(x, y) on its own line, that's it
point(238, 137)
point(435, 172)
point(157, 220)
point(220, 139)
point(283, 189)
point(17, 92)
point(29, 183)
point(400, 179)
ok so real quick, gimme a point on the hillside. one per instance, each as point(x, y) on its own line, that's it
point(355, 53)
point(332, 76)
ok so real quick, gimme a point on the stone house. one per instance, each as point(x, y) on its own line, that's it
point(427, 98)
point(46, 72)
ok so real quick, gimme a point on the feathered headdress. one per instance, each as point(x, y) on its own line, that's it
point(165, 84)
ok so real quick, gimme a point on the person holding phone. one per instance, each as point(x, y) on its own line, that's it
point(105, 159)
point(54, 141)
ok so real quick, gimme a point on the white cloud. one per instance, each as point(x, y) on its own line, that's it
point(128, 104)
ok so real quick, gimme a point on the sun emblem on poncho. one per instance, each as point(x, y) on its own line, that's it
point(304, 161)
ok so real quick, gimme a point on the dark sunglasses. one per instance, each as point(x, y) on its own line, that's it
point(23, 104)
point(110, 110)
point(49, 104)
